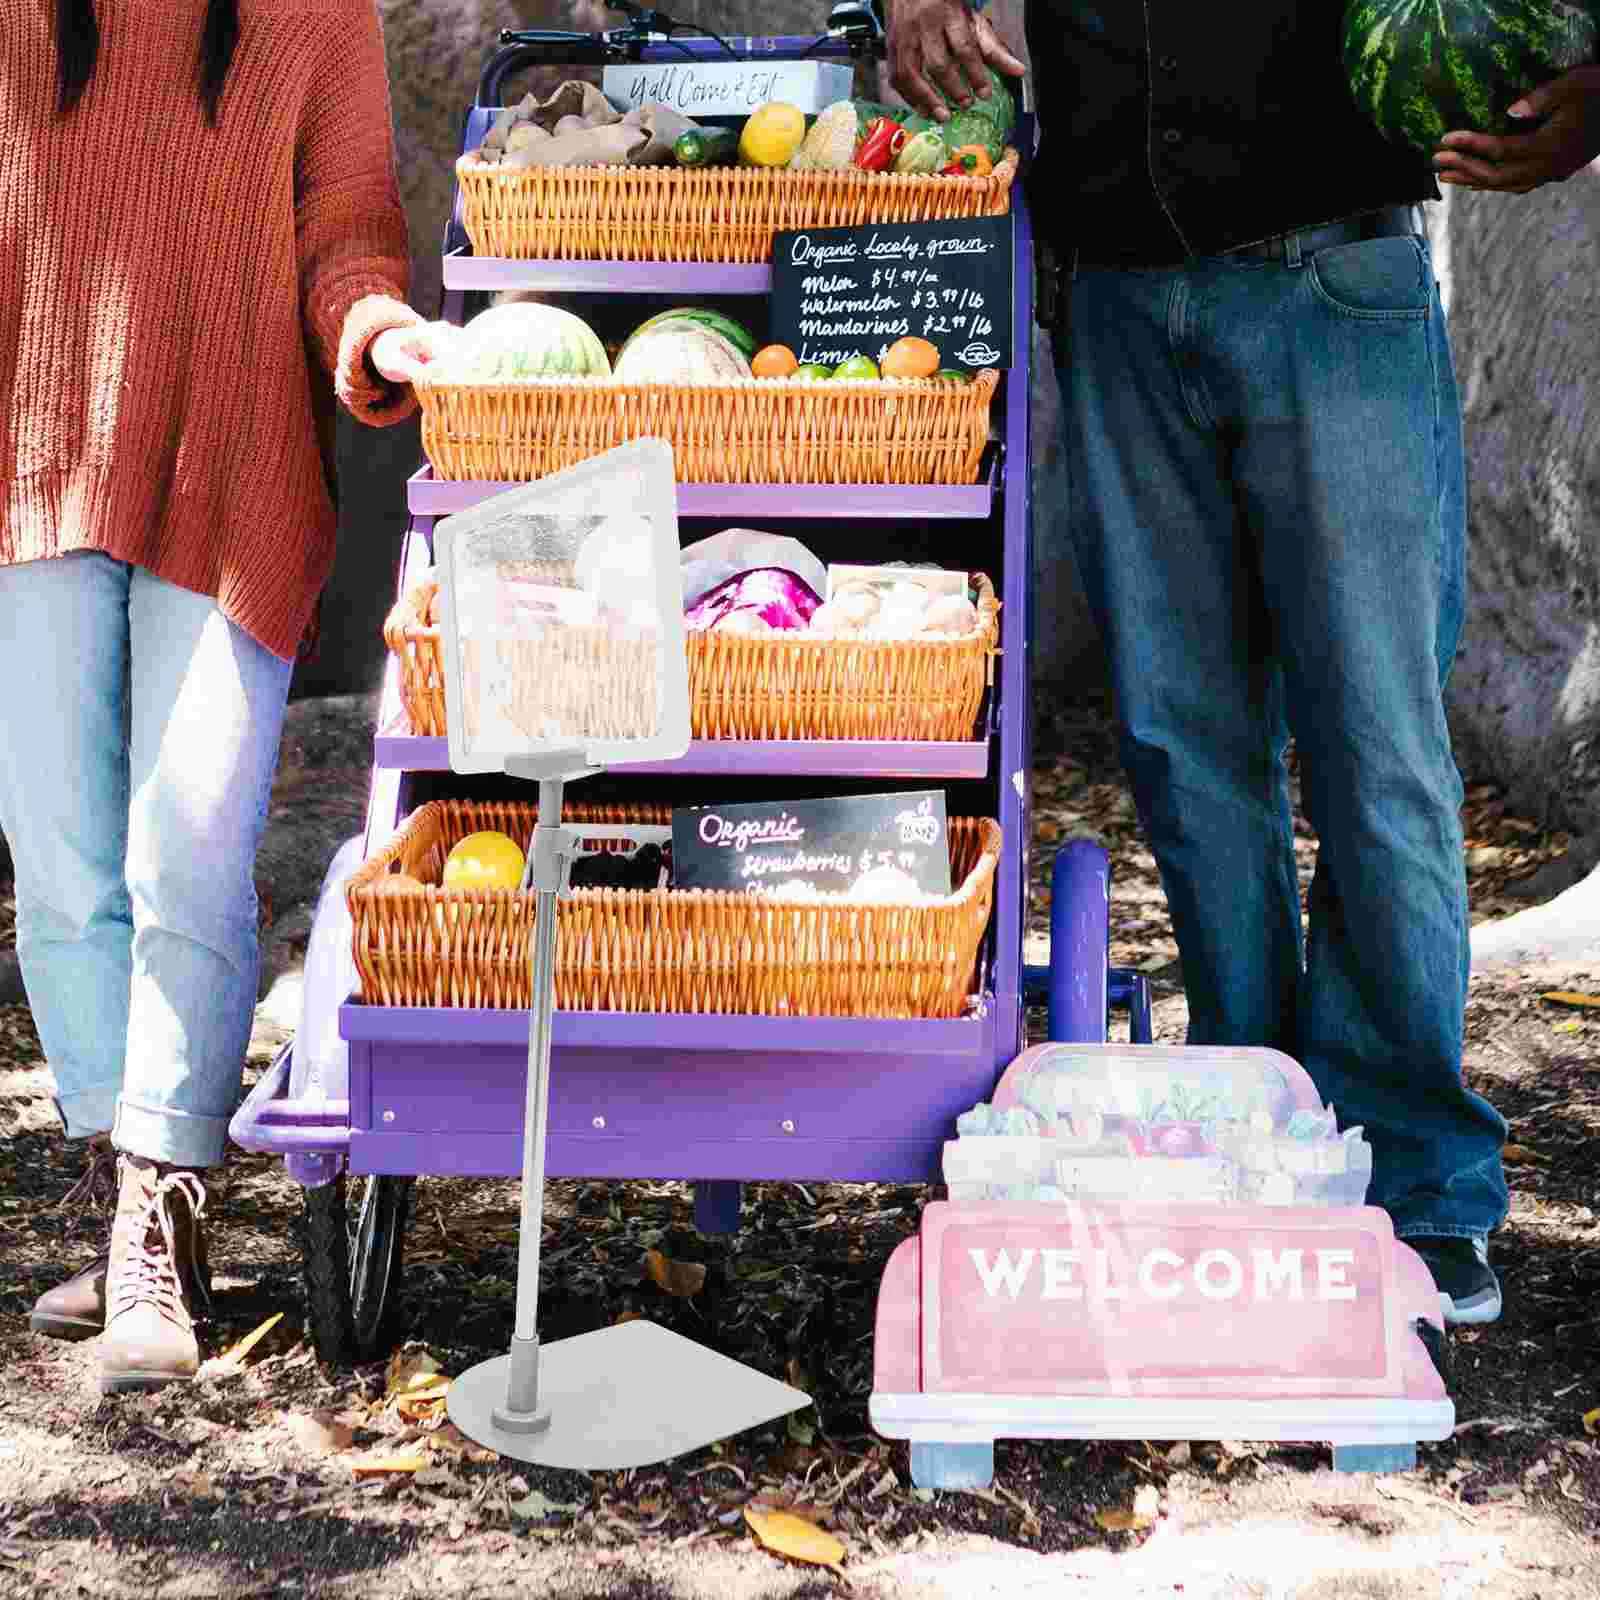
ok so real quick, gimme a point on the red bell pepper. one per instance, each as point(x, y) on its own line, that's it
point(880, 144)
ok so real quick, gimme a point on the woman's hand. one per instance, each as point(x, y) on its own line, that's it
point(1566, 140)
point(402, 355)
point(943, 45)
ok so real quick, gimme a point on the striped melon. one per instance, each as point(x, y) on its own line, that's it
point(1425, 68)
point(525, 339)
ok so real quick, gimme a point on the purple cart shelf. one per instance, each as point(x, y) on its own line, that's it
point(634, 1096)
point(428, 496)
point(494, 273)
point(751, 758)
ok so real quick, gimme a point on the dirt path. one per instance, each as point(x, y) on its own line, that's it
point(246, 1482)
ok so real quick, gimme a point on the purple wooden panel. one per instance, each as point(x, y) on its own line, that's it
point(675, 1114)
point(443, 1030)
point(605, 277)
point(442, 497)
point(733, 758)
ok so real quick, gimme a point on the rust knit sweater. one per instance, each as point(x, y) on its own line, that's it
point(172, 295)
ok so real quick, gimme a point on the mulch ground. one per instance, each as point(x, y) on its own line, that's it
point(256, 1479)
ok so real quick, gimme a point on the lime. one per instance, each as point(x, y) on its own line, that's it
point(812, 370)
point(857, 367)
point(954, 372)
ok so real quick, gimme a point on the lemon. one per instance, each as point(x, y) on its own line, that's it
point(772, 135)
point(488, 860)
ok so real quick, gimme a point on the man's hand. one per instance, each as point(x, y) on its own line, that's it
point(401, 355)
point(942, 45)
point(1567, 140)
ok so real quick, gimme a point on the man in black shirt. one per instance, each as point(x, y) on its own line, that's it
point(1268, 510)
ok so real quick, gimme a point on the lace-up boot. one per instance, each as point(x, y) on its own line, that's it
point(156, 1286)
point(76, 1309)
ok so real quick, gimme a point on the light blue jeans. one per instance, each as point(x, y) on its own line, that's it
point(1269, 513)
point(139, 731)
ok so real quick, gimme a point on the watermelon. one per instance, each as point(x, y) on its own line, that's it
point(1425, 68)
point(525, 339)
point(734, 332)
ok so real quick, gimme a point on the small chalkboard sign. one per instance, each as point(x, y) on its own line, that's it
point(843, 292)
point(877, 846)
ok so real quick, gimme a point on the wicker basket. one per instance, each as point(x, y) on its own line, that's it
point(911, 430)
point(764, 688)
point(723, 214)
point(671, 950)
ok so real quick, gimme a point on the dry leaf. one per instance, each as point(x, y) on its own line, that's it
point(319, 1432)
point(1122, 1521)
point(534, 1507)
point(681, 1278)
point(425, 1400)
point(1147, 1502)
point(448, 1439)
point(792, 1536)
point(373, 1466)
point(1566, 997)
point(409, 1370)
point(628, 1316)
point(1179, 1454)
point(233, 1358)
point(1591, 1421)
point(1521, 1155)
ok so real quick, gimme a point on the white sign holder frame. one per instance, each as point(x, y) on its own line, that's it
point(636, 1394)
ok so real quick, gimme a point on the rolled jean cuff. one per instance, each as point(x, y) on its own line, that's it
point(172, 1137)
point(88, 1111)
point(1441, 1230)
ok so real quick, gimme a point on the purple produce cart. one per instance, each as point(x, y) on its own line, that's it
point(715, 1100)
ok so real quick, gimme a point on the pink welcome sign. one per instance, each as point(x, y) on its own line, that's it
point(1034, 1299)
point(1152, 1243)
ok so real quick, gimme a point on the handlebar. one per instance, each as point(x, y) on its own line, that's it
point(855, 29)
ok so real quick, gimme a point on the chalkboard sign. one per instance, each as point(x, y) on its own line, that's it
point(842, 292)
point(880, 846)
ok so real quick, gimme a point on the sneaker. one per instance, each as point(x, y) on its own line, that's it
point(1469, 1293)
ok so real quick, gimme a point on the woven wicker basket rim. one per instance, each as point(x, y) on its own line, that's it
point(987, 377)
point(364, 881)
point(472, 166)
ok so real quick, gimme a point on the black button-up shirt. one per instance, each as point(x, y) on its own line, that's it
point(1174, 129)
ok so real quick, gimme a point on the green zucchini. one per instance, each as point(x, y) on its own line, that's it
point(707, 147)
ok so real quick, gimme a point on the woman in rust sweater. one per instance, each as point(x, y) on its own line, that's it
point(200, 238)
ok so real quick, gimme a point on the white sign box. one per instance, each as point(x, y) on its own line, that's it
point(728, 88)
point(561, 617)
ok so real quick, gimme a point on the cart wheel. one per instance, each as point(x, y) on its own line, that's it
point(354, 1245)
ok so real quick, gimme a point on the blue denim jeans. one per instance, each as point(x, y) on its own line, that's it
point(1269, 515)
point(139, 731)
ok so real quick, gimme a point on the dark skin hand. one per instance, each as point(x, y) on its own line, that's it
point(940, 47)
point(1565, 141)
